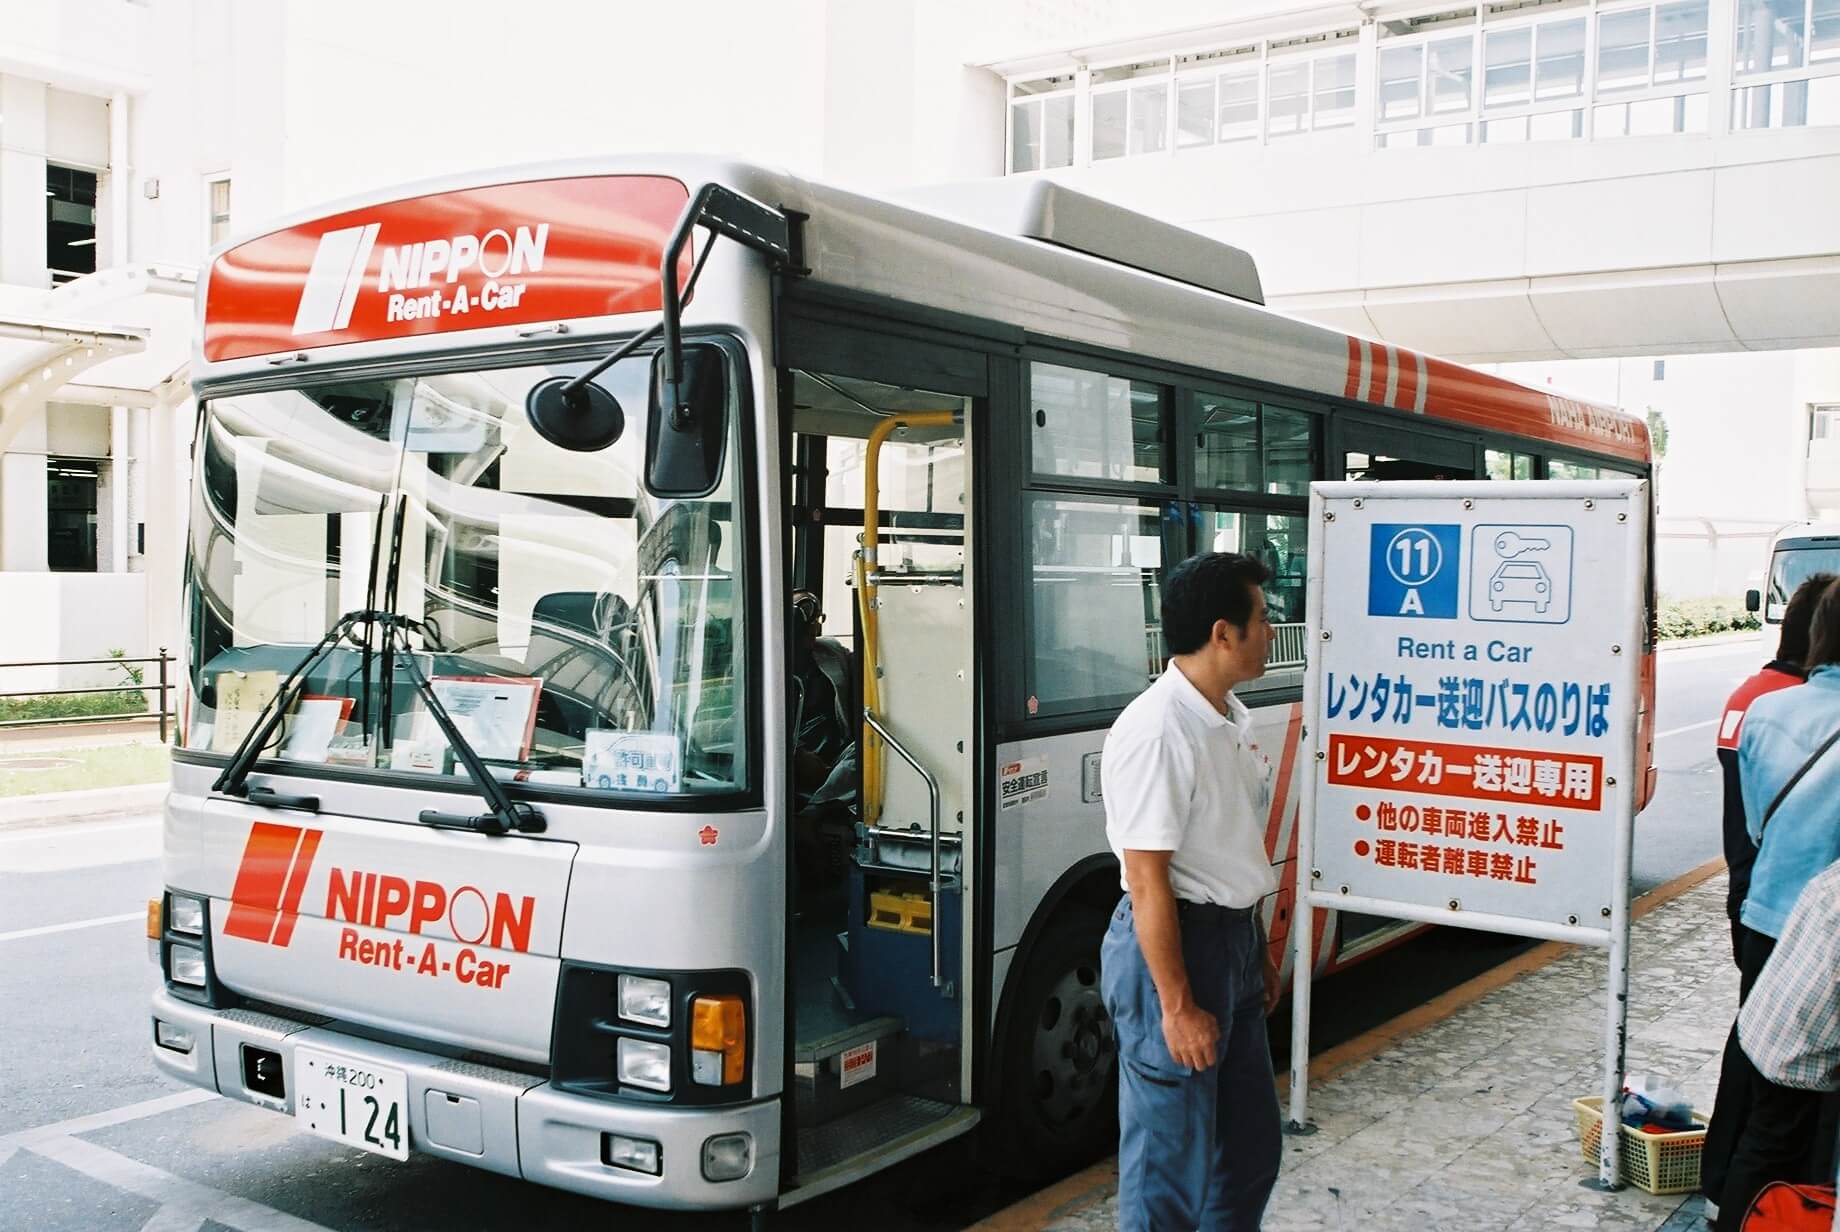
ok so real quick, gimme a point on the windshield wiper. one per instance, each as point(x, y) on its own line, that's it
point(503, 814)
point(233, 780)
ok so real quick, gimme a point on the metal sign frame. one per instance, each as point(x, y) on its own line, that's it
point(1620, 783)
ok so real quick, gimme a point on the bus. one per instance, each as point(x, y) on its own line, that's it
point(1797, 552)
point(651, 629)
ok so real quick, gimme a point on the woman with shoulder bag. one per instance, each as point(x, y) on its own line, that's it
point(1789, 770)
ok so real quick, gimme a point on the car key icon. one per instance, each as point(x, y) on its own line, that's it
point(1509, 545)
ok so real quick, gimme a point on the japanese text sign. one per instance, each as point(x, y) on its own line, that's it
point(1473, 693)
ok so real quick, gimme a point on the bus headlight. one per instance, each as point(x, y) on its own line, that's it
point(186, 964)
point(641, 1063)
point(645, 1000)
point(186, 915)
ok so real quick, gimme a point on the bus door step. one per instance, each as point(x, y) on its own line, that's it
point(849, 1069)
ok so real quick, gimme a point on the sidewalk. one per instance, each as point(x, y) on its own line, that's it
point(1467, 1123)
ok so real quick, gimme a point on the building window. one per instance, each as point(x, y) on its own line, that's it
point(218, 192)
point(1824, 422)
point(1794, 46)
point(1309, 95)
point(70, 520)
point(70, 222)
point(1041, 126)
point(1130, 110)
point(1660, 370)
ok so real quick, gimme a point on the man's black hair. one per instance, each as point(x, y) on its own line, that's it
point(1206, 588)
point(1793, 645)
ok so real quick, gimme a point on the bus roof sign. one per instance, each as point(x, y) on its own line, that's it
point(502, 254)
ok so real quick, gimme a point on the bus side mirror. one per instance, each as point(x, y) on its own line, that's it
point(684, 443)
point(1753, 601)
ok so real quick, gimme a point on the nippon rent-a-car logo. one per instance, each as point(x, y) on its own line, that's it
point(423, 280)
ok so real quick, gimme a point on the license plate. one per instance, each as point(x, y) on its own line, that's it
point(352, 1101)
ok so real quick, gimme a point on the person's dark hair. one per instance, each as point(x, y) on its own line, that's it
point(1824, 627)
point(1206, 588)
point(1792, 647)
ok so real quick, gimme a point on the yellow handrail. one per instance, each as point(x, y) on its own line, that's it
point(865, 594)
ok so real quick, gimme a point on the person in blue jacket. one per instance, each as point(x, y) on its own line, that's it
point(1789, 771)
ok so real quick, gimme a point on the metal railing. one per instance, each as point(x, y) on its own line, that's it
point(163, 688)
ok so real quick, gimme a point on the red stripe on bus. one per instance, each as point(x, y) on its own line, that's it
point(296, 885)
point(1353, 385)
point(1408, 381)
point(1287, 765)
point(260, 880)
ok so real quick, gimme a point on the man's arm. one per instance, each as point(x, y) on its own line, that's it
point(1191, 1033)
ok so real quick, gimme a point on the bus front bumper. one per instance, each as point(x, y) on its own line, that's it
point(498, 1119)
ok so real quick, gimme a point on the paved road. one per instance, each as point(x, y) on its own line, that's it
point(91, 1140)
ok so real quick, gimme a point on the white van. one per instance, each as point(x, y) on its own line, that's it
point(1798, 551)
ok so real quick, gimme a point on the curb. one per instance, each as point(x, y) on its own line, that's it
point(1715, 639)
point(1099, 1181)
point(19, 812)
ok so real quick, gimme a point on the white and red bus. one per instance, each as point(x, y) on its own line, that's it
point(493, 834)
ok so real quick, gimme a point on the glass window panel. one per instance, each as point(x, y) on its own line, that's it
point(1088, 425)
point(1622, 51)
point(1504, 132)
point(1560, 71)
point(1505, 464)
point(1239, 106)
point(1334, 92)
point(1289, 98)
point(1653, 117)
point(1095, 568)
point(1149, 119)
point(1290, 452)
point(1680, 41)
point(1769, 35)
point(1280, 542)
point(1025, 136)
point(1559, 468)
point(1400, 71)
point(1195, 113)
point(1226, 442)
point(1057, 131)
point(1824, 34)
point(1109, 112)
point(1508, 70)
point(1556, 126)
point(1451, 67)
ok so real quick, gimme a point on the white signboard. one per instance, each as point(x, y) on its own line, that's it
point(1472, 695)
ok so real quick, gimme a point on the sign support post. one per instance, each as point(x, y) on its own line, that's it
point(1471, 729)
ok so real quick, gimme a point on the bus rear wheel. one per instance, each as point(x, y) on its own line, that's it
point(1060, 1076)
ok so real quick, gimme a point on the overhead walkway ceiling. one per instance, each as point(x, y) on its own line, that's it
point(1658, 246)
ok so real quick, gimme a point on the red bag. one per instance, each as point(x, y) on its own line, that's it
point(1782, 1207)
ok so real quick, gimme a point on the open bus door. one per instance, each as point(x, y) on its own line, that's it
point(882, 852)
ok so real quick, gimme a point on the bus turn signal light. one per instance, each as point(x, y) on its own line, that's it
point(718, 1040)
point(153, 919)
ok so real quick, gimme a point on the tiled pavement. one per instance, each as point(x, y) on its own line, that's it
point(1468, 1123)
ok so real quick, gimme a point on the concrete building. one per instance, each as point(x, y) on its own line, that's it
point(1631, 199)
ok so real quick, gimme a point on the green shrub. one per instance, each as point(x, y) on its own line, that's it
point(1680, 618)
point(73, 705)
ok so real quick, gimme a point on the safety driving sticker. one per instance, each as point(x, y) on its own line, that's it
point(1022, 782)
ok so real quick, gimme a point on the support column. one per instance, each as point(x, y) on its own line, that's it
point(118, 490)
point(22, 183)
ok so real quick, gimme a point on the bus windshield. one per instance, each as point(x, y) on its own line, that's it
point(1790, 567)
point(579, 631)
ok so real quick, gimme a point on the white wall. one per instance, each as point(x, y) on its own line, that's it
point(53, 616)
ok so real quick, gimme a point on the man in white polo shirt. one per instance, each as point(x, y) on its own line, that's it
point(1184, 967)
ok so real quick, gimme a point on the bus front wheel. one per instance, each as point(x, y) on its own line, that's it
point(1060, 1077)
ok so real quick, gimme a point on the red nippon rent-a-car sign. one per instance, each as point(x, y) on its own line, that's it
point(503, 254)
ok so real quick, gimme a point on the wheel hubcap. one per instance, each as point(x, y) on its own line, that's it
point(1074, 1048)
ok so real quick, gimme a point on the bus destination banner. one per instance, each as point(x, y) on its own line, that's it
point(1474, 689)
